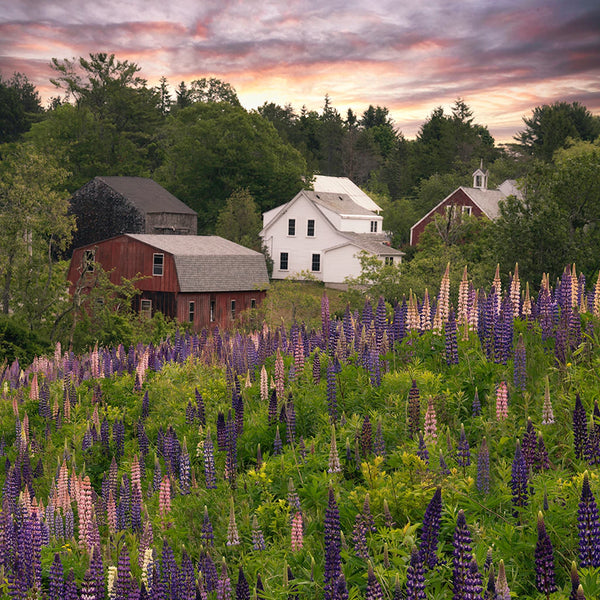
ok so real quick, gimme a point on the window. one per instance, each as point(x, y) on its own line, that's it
point(283, 261)
point(191, 311)
point(389, 260)
point(158, 263)
point(146, 308)
point(89, 260)
point(233, 309)
point(212, 311)
point(477, 181)
point(253, 303)
point(466, 210)
point(291, 226)
point(316, 262)
point(310, 228)
point(373, 226)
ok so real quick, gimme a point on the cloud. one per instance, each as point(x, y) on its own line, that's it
point(501, 57)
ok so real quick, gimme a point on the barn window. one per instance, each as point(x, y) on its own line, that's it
point(191, 311)
point(89, 260)
point(233, 309)
point(291, 226)
point(310, 228)
point(146, 308)
point(373, 226)
point(158, 265)
point(212, 311)
point(467, 210)
point(316, 262)
point(253, 303)
point(283, 261)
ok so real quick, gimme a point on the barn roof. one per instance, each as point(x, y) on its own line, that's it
point(210, 263)
point(146, 195)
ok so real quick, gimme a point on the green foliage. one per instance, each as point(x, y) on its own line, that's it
point(240, 221)
point(17, 342)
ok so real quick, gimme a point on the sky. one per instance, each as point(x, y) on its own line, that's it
point(502, 57)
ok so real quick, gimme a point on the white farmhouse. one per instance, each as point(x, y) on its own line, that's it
point(322, 233)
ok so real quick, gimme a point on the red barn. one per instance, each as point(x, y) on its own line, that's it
point(477, 201)
point(204, 280)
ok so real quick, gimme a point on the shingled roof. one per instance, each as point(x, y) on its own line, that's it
point(378, 244)
point(146, 195)
point(211, 263)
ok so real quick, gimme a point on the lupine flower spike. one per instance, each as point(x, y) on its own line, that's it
point(502, 589)
point(462, 556)
point(588, 525)
point(544, 560)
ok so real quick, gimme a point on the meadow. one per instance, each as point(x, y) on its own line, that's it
point(433, 449)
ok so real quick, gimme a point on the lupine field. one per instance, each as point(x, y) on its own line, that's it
point(446, 447)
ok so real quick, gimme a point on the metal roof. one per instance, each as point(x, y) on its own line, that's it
point(147, 195)
point(343, 185)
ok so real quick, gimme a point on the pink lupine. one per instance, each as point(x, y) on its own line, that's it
point(502, 401)
point(334, 461)
point(34, 390)
point(264, 384)
point(425, 318)
point(279, 375)
point(497, 285)
point(430, 423)
point(111, 513)
point(463, 300)
point(515, 292)
point(297, 531)
point(164, 497)
point(444, 295)
point(233, 537)
point(547, 412)
point(413, 320)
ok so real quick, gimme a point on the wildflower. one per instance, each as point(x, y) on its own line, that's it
point(422, 451)
point(476, 406)
point(547, 412)
point(502, 589)
point(242, 589)
point(588, 526)
point(501, 401)
point(451, 343)
point(297, 532)
point(483, 468)
point(430, 530)
point(207, 529)
point(359, 537)
point(519, 479)
point(520, 365)
point(334, 461)
point(258, 540)
point(331, 393)
point(233, 537)
point(473, 582)
point(333, 545)
point(544, 560)
point(415, 581)
point(374, 591)
point(462, 556)
point(580, 432)
point(430, 422)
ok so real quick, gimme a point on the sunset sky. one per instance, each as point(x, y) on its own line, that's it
point(503, 57)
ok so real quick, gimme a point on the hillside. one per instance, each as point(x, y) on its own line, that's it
point(418, 451)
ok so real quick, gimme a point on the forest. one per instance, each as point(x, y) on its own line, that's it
point(231, 164)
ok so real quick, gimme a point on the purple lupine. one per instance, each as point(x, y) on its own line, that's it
point(541, 460)
point(277, 443)
point(366, 437)
point(208, 569)
point(444, 470)
point(290, 412)
point(200, 409)
point(544, 560)
point(490, 591)
point(574, 581)
point(483, 468)
point(333, 546)
point(431, 530)
point(316, 368)
point(462, 556)
point(119, 438)
point(56, 580)
point(190, 412)
point(359, 538)
point(184, 470)
point(231, 458)
point(520, 365)
point(588, 525)
point(224, 584)
point(519, 479)
point(124, 581)
point(272, 411)
point(415, 581)
point(374, 591)
point(473, 582)
point(242, 589)
point(463, 450)
point(207, 534)
point(451, 343)
point(332, 393)
point(414, 409)
point(529, 444)
point(580, 432)
point(422, 451)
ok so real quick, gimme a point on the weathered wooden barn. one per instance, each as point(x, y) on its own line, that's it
point(109, 206)
point(203, 280)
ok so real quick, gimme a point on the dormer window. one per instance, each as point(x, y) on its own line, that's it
point(373, 226)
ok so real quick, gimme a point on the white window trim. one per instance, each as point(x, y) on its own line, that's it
point(154, 265)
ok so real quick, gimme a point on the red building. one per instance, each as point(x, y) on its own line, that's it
point(477, 201)
point(204, 280)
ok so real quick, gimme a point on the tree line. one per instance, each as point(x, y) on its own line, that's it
point(231, 164)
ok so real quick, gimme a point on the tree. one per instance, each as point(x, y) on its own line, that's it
point(114, 122)
point(551, 125)
point(557, 222)
point(213, 149)
point(213, 90)
point(34, 227)
point(240, 220)
point(20, 106)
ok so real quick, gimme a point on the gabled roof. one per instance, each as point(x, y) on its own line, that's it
point(146, 195)
point(378, 244)
point(488, 201)
point(210, 263)
point(343, 185)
